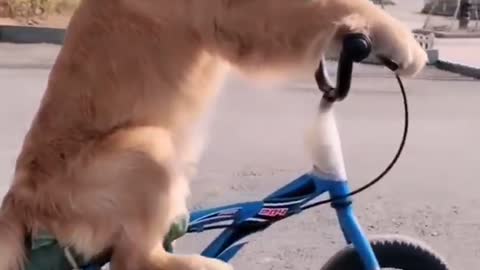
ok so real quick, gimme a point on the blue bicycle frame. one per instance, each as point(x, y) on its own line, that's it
point(242, 219)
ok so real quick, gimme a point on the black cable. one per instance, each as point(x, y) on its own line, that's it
point(392, 163)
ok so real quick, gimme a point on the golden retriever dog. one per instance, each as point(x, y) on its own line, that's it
point(107, 161)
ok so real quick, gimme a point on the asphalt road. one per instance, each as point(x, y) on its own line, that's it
point(256, 145)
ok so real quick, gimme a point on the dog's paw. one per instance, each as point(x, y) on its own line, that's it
point(393, 40)
point(390, 39)
point(204, 263)
point(214, 264)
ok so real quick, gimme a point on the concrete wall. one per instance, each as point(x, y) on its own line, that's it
point(32, 8)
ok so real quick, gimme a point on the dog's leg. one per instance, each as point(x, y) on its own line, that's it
point(125, 259)
point(291, 35)
point(132, 184)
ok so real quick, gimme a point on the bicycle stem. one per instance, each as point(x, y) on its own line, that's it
point(323, 138)
point(323, 142)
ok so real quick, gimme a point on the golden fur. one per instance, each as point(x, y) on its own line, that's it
point(106, 162)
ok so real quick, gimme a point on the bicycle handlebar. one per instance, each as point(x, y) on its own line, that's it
point(356, 47)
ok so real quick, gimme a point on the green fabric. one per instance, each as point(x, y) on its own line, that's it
point(46, 254)
point(178, 229)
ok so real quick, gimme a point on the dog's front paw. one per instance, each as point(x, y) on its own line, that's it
point(393, 40)
point(203, 263)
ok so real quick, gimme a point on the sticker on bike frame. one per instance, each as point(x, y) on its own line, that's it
point(273, 212)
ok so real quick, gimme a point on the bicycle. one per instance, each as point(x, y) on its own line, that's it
point(327, 176)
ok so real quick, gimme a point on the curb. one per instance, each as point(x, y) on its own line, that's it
point(439, 34)
point(28, 34)
point(458, 69)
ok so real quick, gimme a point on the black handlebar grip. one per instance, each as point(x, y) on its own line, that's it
point(356, 47)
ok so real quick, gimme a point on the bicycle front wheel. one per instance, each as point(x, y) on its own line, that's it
point(392, 252)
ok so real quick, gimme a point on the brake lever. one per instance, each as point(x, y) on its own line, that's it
point(356, 47)
point(390, 64)
point(322, 78)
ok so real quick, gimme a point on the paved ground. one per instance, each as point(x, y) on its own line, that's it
point(256, 145)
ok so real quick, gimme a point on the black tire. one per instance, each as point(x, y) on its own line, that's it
point(397, 252)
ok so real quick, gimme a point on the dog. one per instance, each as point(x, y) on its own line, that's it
point(107, 160)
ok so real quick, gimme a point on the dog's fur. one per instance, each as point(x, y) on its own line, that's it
point(107, 160)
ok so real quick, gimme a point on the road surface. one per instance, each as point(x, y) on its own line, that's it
point(256, 145)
